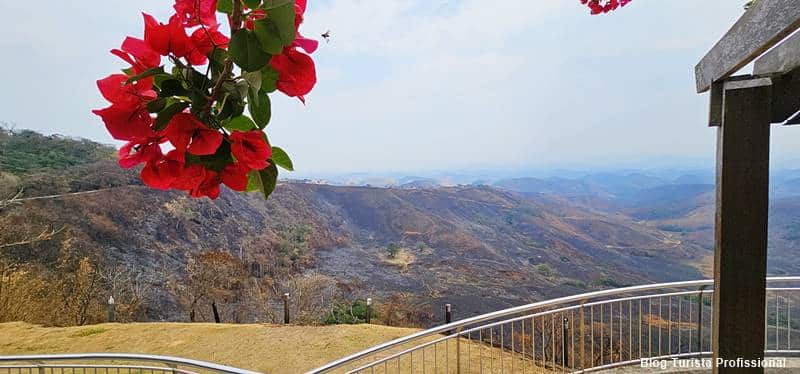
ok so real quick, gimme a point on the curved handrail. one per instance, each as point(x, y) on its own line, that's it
point(128, 357)
point(521, 309)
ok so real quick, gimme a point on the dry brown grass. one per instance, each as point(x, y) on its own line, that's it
point(264, 348)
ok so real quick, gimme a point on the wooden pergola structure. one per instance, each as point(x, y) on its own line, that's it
point(742, 108)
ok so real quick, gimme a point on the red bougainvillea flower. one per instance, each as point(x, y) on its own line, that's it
point(166, 39)
point(209, 186)
point(162, 173)
point(126, 123)
point(138, 53)
point(126, 118)
point(189, 177)
point(235, 176)
point(134, 153)
point(296, 73)
point(250, 149)
point(203, 42)
point(308, 45)
point(192, 13)
point(116, 91)
point(596, 7)
point(188, 134)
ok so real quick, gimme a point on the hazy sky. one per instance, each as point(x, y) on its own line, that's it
point(425, 84)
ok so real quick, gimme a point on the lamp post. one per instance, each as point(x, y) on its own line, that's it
point(111, 309)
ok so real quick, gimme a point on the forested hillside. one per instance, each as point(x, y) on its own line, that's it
point(164, 256)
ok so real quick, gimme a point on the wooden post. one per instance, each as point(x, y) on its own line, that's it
point(740, 254)
point(286, 308)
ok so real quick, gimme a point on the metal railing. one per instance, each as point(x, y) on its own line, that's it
point(110, 363)
point(581, 333)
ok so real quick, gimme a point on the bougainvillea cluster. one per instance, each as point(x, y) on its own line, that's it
point(604, 6)
point(180, 103)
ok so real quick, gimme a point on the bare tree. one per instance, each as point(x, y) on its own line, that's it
point(45, 235)
point(131, 289)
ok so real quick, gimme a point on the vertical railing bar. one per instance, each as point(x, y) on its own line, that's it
point(502, 352)
point(669, 325)
point(491, 346)
point(544, 354)
point(435, 358)
point(524, 360)
point(591, 326)
point(620, 330)
point(512, 346)
point(572, 337)
point(553, 337)
point(563, 341)
point(582, 362)
point(602, 337)
point(660, 318)
point(766, 320)
point(480, 349)
point(533, 344)
point(691, 326)
point(680, 324)
point(650, 326)
point(611, 333)
point(789, 322)
point(777, 319)
point(639, 338)
point(630, 330)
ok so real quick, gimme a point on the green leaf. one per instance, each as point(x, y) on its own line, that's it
point(172, 87)
point(263, 180)
point(269, 79)
point(245, 50)
point(277, 30)
point(157, 105)
point(225, 6)
point(283, 17)
point(199, 101)
point(260, 108)
point(253, 79)
point(271, 4)
point(252, 4)
point(268, 36)
point(167, 113)
point(216, 162)
point(281, 158)
point(147, 73)
point(240, 123)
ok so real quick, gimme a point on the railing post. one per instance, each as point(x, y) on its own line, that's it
point(286, 308)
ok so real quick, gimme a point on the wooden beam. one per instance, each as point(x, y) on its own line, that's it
point(740, 237)
point(760, 28)
point(781, 59)
point(785, 96)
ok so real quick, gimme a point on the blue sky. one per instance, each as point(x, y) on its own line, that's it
point(426, 84)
